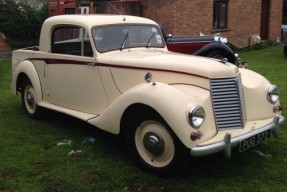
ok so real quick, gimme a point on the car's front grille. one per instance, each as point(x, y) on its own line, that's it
point(228, 103)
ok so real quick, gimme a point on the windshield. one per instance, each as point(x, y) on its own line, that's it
point(113, 37)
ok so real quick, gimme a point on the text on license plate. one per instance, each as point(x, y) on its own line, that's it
point(254, 140)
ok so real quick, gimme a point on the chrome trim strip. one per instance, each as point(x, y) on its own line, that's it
point(230, 142)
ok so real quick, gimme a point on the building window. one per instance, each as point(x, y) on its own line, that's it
point(220, 14)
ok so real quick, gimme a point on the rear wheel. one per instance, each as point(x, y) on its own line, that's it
point(29, 104)
point(154, 146)
point(285, 50)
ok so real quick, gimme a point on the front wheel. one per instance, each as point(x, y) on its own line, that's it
point(218, 54)
point(154, 146)
point(31, 109)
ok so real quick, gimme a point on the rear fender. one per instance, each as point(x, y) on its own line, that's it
point(24, 70)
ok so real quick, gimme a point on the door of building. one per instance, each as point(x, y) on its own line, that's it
point(264, 25)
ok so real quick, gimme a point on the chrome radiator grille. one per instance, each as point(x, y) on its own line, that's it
point(228, 103)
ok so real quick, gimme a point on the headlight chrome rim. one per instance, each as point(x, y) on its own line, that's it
point(273, 94)
point(196, 116)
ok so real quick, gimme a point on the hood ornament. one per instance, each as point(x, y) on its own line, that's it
point(148, 78)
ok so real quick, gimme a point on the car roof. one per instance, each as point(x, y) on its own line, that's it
point(86, 21)
point(96, 19)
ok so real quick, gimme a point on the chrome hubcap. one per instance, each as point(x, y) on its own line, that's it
point(153, 143)
point(30, 99)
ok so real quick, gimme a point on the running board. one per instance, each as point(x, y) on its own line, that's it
point(77, 114)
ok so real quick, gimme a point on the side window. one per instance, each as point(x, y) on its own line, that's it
point(71, 40)
point(220, 8)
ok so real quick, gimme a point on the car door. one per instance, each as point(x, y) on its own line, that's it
point(73, 79)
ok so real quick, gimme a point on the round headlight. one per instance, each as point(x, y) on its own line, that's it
point(273, 94)
point(196, 116)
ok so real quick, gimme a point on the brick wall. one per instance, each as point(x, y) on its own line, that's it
point(275, 19)
point(161, 11)
point(193, 17)
point(244, 17)
point(186, 17)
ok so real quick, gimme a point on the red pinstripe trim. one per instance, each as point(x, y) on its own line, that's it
point(65, 61)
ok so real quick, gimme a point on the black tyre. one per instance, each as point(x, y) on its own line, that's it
point(30, 107)
point(154, 146)
point(285, 50)
point(217, 54)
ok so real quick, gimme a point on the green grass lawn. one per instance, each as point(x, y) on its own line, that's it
point(34, 154)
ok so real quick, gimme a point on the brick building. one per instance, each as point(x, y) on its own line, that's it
point(231, 18)
point(228, 17)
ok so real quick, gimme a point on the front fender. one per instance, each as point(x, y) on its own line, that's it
point(217, 47)
point(26, 69)
point(171, 103)
point(255, 92)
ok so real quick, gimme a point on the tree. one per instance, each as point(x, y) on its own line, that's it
point(21, 21)
point(35, 4)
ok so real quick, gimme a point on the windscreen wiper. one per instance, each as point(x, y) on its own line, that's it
point(124, 41)
point(149, 41)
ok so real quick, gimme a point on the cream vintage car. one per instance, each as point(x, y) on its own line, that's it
point(115, 72)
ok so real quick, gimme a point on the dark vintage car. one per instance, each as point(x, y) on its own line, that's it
point(214, 46)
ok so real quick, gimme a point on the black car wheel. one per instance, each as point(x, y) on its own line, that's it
point(219, 54)
point(285, 50)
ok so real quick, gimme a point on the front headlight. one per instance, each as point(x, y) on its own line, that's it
point(196, 116)
point(273, 94)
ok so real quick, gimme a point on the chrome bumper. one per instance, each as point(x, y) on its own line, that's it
point(229, 142)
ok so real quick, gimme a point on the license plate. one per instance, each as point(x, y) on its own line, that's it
point(254, 140)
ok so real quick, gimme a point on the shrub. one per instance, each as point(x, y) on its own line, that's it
point(21, 22)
